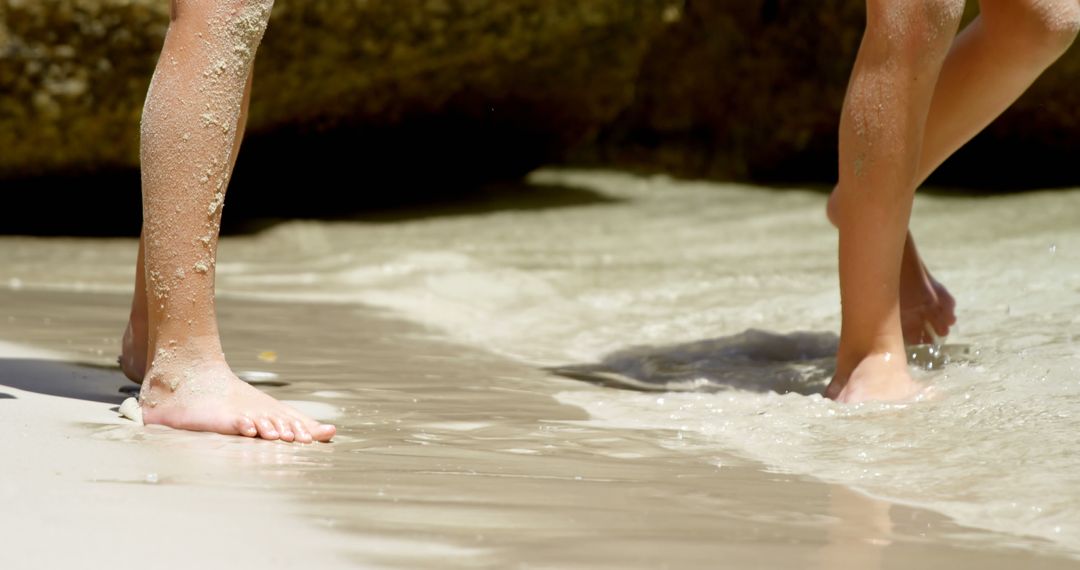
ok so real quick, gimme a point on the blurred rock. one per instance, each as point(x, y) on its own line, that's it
point(512, 82)
point(72, 73)
point(740, 89)
point(752, 89)
point(470, 90)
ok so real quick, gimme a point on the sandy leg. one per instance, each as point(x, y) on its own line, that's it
point(135, 342)
point(133, 346)
point(189, 139)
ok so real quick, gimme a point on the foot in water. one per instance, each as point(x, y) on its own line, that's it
point(881, 377)
point(203, 394)
point(925, 304)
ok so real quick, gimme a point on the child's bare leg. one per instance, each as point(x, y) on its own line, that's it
point(133, 345)
point(189, 130)
point(923, 299)
point(991, 63)
point(881, 134)
point(133, 355)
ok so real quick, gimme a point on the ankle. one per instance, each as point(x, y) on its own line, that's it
point(172, 374)
point(849, 355)
point(185, 346)
point(137, 323)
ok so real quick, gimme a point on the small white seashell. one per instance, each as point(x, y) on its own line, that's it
point(131, 410)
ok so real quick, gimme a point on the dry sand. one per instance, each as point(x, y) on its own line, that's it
point(81, 490)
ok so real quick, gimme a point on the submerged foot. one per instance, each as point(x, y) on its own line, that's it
point(132, 358)
point(881, 377)
point(207, 396)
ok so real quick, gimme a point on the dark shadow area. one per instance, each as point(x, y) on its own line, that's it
point(421, 167)
point(1012, 164)
point(754, 360)
point(96, 204)
point(4, 396)
point(298, 174)
point(436, 168)
point(62, 379)
point(942, 190)
point(989, 164)
point(252, 207)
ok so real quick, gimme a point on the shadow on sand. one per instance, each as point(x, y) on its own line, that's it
point(754, 360)
point(62, 379)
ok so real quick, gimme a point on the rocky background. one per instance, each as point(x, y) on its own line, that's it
point(456, 92)
point(752, 90)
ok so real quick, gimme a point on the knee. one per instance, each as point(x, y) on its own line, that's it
point(938, 17)
point(911, 28)
point(1043, 27)
point(246, 20)
point(239, 26)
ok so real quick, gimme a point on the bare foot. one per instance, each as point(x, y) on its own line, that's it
point(924, 302)
point(206, 396)
point(879, 377)
point(132, 358)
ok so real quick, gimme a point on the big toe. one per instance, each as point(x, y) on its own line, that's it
point(321, 432)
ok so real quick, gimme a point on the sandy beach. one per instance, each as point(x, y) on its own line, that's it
point(428, 346)
point(448, 458)
point(555, 284)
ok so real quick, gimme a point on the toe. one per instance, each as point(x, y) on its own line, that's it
point(940, 321)
point(302, 434)
point(323, 432)
point(284, 429)
point(949, 315)
point(246, 427)
point(267, 429)
point(941, 328)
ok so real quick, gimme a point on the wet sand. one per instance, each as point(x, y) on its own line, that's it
point(448, 457)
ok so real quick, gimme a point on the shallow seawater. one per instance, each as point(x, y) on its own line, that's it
point(699, 321)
